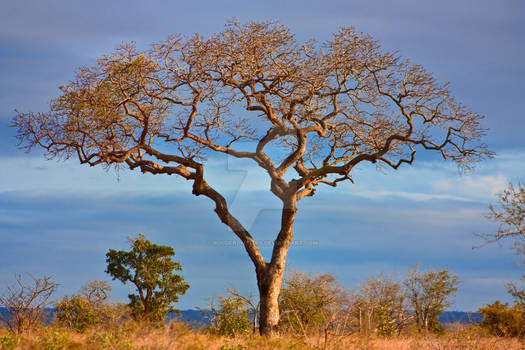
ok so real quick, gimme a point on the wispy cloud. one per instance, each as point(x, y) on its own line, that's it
point(415, 196)
point(473, 187)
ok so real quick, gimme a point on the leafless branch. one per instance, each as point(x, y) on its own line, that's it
point(25, 302)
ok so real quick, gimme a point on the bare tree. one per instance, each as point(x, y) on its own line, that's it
point(96, 291)
point(313, 305)
point(430, 294)
point(381, 305)
point(312, 112)
point(509, 213)
point(25, 302)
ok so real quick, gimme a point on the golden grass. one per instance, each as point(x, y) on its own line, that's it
point(177, 336)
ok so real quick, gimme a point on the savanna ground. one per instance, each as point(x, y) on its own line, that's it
point(177, 335)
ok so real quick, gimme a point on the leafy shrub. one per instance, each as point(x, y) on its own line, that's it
point(89, 308)
point(504, 321)
point(9, 342)
point(53, 339)
point(76, 313)
point(231, 317)
point(116, 339)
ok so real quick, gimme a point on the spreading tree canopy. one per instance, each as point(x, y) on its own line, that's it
point(313, 112)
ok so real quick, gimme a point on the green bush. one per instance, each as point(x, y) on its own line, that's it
point(504, 321)
point(76, 312)
point(53, 339)
point(232, 317)
point(90, 308)
point(116, 339)
point(9, 342)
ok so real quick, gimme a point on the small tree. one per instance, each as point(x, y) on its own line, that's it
point(151, 269)
point(429, 295)
point(25, 302)
point(311, 305)
point(380, 305)
point(96, 291)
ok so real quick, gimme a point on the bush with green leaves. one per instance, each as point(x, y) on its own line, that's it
point(77, 313)
point(90, 308)
point(53, 339)
point(9, 341)
point(150, 268)
point(503, 320)
point(231, 316)
point(115, 339)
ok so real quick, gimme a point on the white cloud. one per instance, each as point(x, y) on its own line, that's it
point(474, 187)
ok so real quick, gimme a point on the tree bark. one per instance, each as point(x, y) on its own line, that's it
point(270, 279)
point(269, 290)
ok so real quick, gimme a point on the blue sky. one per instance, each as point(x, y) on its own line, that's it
point(60, 218)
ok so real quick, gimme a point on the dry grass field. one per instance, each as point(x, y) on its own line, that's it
point(177, 336)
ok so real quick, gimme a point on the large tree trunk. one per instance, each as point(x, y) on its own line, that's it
point(269, 290)
point(269, 274)
point(270, 279)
